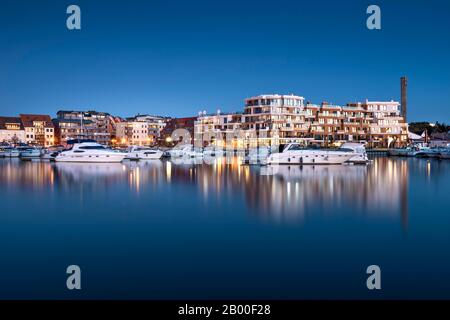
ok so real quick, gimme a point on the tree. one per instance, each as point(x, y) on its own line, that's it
point(420, 127)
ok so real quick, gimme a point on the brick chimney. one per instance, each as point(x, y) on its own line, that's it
point(403, 92)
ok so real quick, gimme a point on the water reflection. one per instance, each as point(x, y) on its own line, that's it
point(378, 189)
point(284, 192)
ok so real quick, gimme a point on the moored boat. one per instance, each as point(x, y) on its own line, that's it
point(90, 152)
point(294, 153)
point(359, 150)
point(10, 152)
point(179, 151)
point(428, 153)
point(445, 153)
point(399, 152)
point(143, 153)
point(257, 156)
point(27, 153)
point(50, 153)
point(186, 151)
point(213, 152)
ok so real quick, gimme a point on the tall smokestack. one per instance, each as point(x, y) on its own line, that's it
point(404, 100)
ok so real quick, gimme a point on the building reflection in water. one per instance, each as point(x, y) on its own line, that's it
point(296, 191)
point(280, 193)
point(291, 192)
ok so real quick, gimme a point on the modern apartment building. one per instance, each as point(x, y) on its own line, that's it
point(11, 130)
point(99, 126)
point(155, 125)
point(133, 133)
point(278, 119)
point(169, 136)
point(381, 123)
point(218, 129)
point(39, 129)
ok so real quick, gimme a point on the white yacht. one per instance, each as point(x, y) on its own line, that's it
point(30, 153)
point(9, 152)
point(90, 152)
point(359, 150)
point(295, 153)
point(143, 153)
point(417, 150)
point(400, 152)
point(50, 153)
point(445, 154)
point(186, 151)
point(257, 156)
point(180, 151)
point(212, 151)
point(194, 153)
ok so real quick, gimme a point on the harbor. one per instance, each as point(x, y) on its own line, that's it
point(224, 159)
point(161, 229)
point(85, 150)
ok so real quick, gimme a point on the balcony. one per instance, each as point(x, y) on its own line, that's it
point(321, 114)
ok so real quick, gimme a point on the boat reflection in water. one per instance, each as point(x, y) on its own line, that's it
point(296, 191)
point(278, 192)
point(291, 192)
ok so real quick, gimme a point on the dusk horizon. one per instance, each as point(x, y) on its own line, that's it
point(181, 58)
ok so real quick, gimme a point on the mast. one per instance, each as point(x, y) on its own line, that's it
point(82, 125)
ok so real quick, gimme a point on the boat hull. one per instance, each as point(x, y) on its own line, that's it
point(91, 159)
point(309, 159)
point(398, 152)
point(359, 159)
point(35, 154)
point(12, 154)
point(445, 155)
point(144, 155)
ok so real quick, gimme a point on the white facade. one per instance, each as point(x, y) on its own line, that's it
point(155, 125)
point(12, 135)
point(133, 133)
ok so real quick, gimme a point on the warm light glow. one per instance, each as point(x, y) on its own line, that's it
point(168, 170)
point(168, 139)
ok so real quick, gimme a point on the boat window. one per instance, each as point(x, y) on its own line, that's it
point(78, 151)
point(296, 147)
point(92, 148)
point(345, 149)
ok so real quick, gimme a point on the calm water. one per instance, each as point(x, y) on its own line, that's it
point(160, 230)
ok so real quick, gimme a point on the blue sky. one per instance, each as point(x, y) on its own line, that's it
point(179, 57)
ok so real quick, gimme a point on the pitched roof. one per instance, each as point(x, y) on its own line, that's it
point(440, 136)
point(29, 119)
point(12, 120)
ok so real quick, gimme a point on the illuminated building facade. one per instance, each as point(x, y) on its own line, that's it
point(279, 119)
point(11, 130)
point(39, 129)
